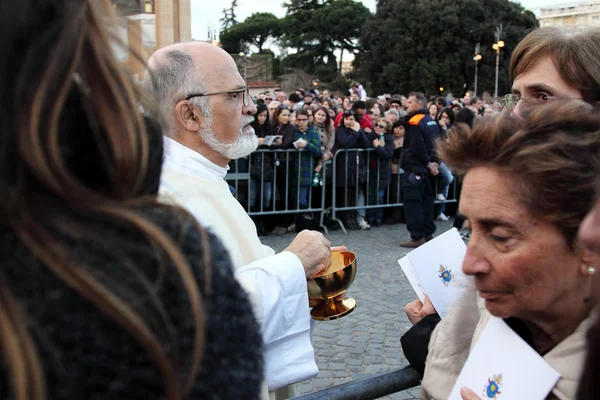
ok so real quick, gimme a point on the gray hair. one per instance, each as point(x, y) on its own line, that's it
point(420, 97)
point(392, 111)
point(172, 80)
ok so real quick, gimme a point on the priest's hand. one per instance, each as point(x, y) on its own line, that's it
point(313, 250)
point(416, 311)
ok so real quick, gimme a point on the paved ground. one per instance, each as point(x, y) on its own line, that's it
point(366, 341)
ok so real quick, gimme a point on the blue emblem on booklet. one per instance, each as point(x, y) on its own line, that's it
point(492, 389)
point(446, 275)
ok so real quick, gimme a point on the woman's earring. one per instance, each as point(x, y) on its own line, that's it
point(591, 271)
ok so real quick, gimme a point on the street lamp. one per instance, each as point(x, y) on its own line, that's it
point(497, 46)
point(477, 58)
point(245, 61)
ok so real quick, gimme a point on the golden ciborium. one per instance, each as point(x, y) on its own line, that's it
point(329, 284)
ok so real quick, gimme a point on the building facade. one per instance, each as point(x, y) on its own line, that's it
point(148, 25)
point(572, 14)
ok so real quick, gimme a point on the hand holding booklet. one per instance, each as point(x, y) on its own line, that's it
point(269, 139)
point(435, 269)
point(503, 366)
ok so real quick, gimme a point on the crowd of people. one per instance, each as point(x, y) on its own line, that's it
point(130, 271)
point(318, 125)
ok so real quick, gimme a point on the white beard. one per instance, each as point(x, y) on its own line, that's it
point(244, 144)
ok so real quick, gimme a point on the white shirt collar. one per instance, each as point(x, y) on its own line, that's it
point(179, 158)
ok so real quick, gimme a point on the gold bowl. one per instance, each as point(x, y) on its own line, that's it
point(334, 281)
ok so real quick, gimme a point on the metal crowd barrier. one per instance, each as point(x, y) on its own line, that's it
point(372, 387)
point(243, 184)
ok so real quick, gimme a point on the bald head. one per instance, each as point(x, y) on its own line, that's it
point(178, 70)
point(204, 100)
point(209, 61)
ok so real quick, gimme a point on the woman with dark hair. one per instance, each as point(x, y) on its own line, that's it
point(104, 292)
point(393, 215)
point(324, 125)
point(446, 120)
point(350, 165)
point(261, 166)
point(282, 161)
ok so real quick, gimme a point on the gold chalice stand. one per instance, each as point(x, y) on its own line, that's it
point(331, 283)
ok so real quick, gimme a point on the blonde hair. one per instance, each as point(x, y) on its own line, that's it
point(387, 123)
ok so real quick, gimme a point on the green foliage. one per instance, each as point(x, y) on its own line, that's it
point(317, 29)
point(255, 30)
point(229, 18)
point(424, 44)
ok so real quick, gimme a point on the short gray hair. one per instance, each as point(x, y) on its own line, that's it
point(172, 80)
point(420, 97)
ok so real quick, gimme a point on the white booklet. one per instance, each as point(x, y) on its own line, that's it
point(502, 366)
point(412, 277)
point(269, 139)
point(438, 265)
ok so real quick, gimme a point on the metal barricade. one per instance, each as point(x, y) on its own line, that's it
point(282, 193)
point(247, 178)
point(372, 387)
point(362, 175)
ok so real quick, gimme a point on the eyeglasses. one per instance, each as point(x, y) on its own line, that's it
point(382, 126)
point(244, 91)
point(510, 101)
point(268, 99)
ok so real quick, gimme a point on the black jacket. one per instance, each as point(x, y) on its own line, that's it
point(383, 155)
point(419, 140)
point(355, 162)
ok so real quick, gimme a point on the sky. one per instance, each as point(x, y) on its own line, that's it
point(206, 13)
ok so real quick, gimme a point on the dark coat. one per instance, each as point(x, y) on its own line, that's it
point(262, 162)
point(421, 133)
point(356, 161)
point(381, 156)
point(76, 337)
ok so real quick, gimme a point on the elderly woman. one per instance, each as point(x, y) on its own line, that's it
point(589, 236)
point(528, 184)
point(564, 59)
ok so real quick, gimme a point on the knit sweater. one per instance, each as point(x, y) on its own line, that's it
point(86, 355)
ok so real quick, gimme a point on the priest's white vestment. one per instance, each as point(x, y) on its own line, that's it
point(276, 283)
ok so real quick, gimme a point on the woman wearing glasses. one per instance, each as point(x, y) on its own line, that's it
point(555, 63)
point(378, 164)
point(549, 63)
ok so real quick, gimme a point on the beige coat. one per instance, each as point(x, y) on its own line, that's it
point(457, 333)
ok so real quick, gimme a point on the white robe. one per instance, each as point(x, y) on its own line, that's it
point(276, 283)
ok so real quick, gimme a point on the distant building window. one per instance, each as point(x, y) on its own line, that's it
point(546, 23)
point(132, 7)
point(596, 19)
point(579, 21)
point(559, 22)
point(148, 7)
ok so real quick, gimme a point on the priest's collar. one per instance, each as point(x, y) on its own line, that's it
point(185, 160)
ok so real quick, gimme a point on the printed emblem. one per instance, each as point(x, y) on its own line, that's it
point(492, 389)
point(446, 275)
